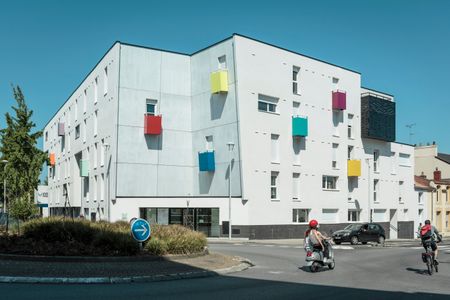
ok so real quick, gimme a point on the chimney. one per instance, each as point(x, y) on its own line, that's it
point(423, 175)
point(437, 175)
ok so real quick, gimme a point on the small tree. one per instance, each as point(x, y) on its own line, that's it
point(23, 209)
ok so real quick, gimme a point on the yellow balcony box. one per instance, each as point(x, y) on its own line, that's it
point(219, 82)
point(354, 168)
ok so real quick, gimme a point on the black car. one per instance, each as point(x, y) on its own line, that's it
point(355, 233)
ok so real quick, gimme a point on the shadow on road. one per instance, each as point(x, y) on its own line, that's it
point(418, 271)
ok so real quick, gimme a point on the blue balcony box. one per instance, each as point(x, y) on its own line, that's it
point(299, 126)
point(206, 161)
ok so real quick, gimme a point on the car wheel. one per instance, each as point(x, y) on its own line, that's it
point(381, 240)
point(354, 240)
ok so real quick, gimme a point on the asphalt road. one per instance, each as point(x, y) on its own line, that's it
point(360, 273)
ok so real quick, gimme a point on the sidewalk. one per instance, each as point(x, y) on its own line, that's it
point(115, 269)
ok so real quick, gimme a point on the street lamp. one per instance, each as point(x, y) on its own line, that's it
point(230, 148)
point(369, 205)
point(4, 184)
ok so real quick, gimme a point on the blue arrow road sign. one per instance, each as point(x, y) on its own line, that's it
point(140, 229)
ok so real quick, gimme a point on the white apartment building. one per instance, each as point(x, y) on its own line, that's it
point(148, 133)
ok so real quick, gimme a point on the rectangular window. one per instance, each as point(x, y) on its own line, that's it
point(296, 145)
point(209, 143)
point(336, 120)
point(95, 188)
point(222, 60)
point(295, 108)
point(334, 161)
point(420, 198)
point(46, 136)
point(151, 107)
point(105, 81)
point(350, 126)
point(350, 152)
point(393, 163)
point(353, 215)
point(102, 187)
point(295, 79)
point(404, 160)
point(95, 154)
point(77, 131)
point(95, 122)
point(376, 156)
point(102, 153)
point(95, 90)
point(375, 189)
point(84, 130)
point(267, 103)
point(296, 186)
point(329, 182)
point(275, 148)
point(84, 100)
point(273, 185)
point(300, 215)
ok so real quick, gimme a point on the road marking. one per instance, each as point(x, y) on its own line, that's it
point(275, 272)
point(238, 244)
point(269, 245)
point(285, 246)
point(343, 247)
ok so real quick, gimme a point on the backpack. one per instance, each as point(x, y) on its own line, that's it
point(426, 232)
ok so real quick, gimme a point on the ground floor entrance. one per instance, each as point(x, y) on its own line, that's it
point(205, 220)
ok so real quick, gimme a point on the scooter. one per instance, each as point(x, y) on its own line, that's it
point(315, 259)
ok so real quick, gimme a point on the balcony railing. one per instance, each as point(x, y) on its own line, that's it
point(339, 100)
point(353, 168)
point(219, 82)
point(152, 124)
point(206, 161)
point(299, 126)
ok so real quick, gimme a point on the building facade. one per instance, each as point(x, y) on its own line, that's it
point(173, 137)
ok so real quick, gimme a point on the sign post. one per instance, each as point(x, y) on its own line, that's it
point(140, 230)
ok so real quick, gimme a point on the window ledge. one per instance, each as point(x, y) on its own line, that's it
point(269, 112)
point(296, 165)
point(275, 162)
point(336, 135)
point(331, 190)
point(407, 166)
point(275, 200)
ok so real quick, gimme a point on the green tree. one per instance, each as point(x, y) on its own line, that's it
point(18, 147)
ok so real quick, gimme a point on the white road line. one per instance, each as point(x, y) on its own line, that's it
point(269, 245)
point(285, 246)
point(343, 247)
point(275, 272)
point(238, 244)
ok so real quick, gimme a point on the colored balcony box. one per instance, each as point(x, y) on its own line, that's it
point(84, 168)
point(152, 124)
point(354, 168)
point(206, 161)
point(219, 82)
point(299, 126)
point(52, 159)
point(339, 100)
point(61, 131)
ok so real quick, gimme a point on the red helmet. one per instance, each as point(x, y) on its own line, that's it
point(313, 223)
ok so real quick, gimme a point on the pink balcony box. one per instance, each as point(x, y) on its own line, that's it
point(339, 100)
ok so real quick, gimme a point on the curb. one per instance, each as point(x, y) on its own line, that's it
point(245, 264)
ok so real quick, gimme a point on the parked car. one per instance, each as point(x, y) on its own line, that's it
point(356, 233)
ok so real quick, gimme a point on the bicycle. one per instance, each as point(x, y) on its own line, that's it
point(428, 258)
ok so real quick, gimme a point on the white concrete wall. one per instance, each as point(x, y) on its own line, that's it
point(426, 162)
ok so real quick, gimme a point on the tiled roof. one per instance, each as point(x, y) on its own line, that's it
point(421, 183)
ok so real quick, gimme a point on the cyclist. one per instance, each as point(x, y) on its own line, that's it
point(429, 234)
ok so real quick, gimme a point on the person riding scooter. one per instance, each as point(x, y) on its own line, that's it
point(315, 239)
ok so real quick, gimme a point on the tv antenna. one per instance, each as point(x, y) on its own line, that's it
point(411, 133)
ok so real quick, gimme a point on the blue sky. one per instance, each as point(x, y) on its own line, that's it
point(400, 47)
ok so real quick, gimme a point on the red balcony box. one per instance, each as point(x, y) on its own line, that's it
point(152, 124)
point(339, 100)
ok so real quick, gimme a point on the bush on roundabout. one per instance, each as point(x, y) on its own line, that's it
point(73, 237)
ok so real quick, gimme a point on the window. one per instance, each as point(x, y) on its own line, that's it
point(376, 155)
point(95, 90)
point(275, 147)
point(267, 103)
point(295, 108)
point(222, 60)
point(95, 188)
point(353, 215)
point(375, 189)
point(336, 120)
point(296, 145)
point(350, 152)
point(209, 143)
point(329, 215)
point(77, 131)
point(393, 163)
point(400, 191)
point(95, 122)
point(404, 160)
point(151, 107)
point(420, 198)
point(102, 153)
point(84, 100)
point(46, 136)
point(273, 185)
point(334, 164)
point(296, 186)
point(420, 214)
point(102, 187)
point(300, 215)
point(84, 130)
point(350, 126)
point(105, 81)
point(295, 73)
point(76, 109)
point(335, 81)
point(329, 182)
point(95, 155)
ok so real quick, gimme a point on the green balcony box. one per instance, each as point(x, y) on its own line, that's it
point(299, 126)
point(84, 168)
